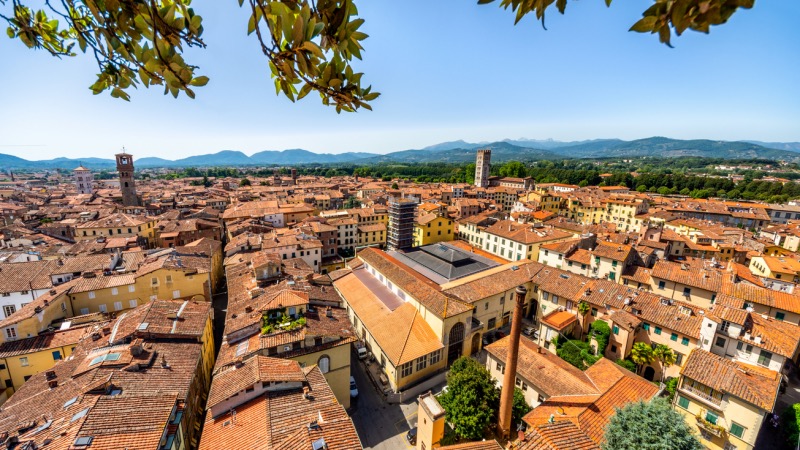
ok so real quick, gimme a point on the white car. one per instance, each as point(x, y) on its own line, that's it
point(362, 353)
point(353, 387)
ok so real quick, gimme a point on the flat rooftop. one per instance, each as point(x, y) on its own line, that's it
point(443, 262)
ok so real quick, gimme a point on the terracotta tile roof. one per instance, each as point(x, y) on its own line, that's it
point(280, 421)
point(559, 435)
point(580, 256)
point(683, 317)
point(97, 282)
point(138, 411)
point(723, 312)
point(591, 413)
point(559, 320)
point(745, 274)
point(638, 274)
point(594, 420)
point(401, 333)
point(116, 220)
point(561, 283)
point(524, 233)
point(562, 247)
point(493, 281)
point(17, 277)
point(45, 341)
point(544, 370)
point(707, 279)
point(762, 296)
point(615, 252)
point(627, 320)
point(257, 369)
point(750, 383)
point(57, 294)
point(128, 422)
point(285, 298)
point(480, 445)
point(777, 336)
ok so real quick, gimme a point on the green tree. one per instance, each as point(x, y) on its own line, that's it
point(395, 186)
point(663, 190)
point(626, 364)
point(641, 188)
point(352, 202)
point(244, 182)
point(665, 356)
point(649, 425)
point(520, 407)
point(469, 173)
point(601, 332)
point(790, 425)
point(310, 45)
point(513, 169)
point(471, 400)
point(641, 354)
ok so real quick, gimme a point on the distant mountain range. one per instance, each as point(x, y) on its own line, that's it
point(454, 152)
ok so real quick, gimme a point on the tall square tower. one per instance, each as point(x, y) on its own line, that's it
point(482, 166)
point(126, 183)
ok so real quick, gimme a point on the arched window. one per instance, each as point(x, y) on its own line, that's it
point(126, 184)
point(324, 363)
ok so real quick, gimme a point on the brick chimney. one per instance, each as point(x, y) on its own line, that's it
point(507, 393)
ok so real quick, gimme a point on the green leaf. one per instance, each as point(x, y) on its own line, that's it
point(304, 91)
point(199, 81)
point(313, 48)
point(644, 25)
point(251, 25)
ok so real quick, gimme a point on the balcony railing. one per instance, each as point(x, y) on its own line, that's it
point(702, 396)
point(475, 324)
point(717, 429)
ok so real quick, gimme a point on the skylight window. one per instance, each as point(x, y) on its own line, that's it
point(84, 441)
point(241, 349)
point(80, 414)
point(43, 427)
point(106, 357)
point(70, 402)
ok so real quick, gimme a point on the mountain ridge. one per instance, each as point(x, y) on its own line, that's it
point(458, 151)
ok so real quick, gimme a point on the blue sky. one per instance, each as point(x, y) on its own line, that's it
point(447, 69)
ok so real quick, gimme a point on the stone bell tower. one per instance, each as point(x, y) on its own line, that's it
point(126, 183)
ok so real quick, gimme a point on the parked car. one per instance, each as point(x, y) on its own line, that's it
point(411, 436)
point(528, 331)
point(353, 387)
point(362, 353)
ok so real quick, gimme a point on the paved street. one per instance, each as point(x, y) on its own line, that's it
point(379, 424)
point(220, 304)
point(770, 438)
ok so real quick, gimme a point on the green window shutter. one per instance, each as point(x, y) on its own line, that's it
point(737, 430)
point(683, 402)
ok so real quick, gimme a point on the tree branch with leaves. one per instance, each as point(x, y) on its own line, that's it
point(310, 45)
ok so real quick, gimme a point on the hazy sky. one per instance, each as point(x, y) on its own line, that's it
point(447, 69)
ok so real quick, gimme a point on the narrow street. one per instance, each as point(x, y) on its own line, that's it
point(220, 304)
point(380, 425)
